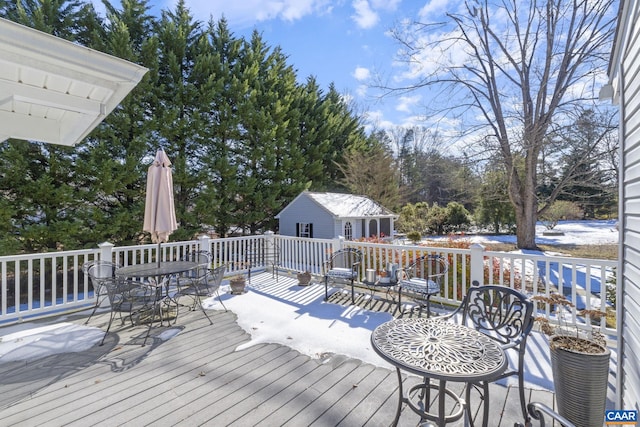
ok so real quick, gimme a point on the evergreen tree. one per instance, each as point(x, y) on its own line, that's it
point(243, 136)
point(113, 160)
point(344, 133)
point(309, 137)
point(178, 114)
point(494, 208)
point(221, 91)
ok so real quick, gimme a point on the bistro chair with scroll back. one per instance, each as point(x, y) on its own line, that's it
point(99, 271)
point(504, 314)
point(421, 280)
point(343, 266)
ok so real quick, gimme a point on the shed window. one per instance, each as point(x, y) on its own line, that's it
point(304, 229)
point(348, 231)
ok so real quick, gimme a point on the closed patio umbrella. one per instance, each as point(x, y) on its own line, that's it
point(159, 210)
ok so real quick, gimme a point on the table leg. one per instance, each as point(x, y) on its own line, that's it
point(400, 398)
point(441, 401)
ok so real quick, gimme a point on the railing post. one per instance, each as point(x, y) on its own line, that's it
point(106, 251)
point(205, 243)
point(338, 243)
point(477, 264)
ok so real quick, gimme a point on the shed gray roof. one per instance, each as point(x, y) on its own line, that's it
point(343, 205)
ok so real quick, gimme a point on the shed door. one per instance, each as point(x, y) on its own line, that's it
point(373, 228)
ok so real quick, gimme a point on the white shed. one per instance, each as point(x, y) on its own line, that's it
point(330, 215)
point(624, 89)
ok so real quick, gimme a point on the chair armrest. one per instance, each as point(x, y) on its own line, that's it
point(457, 312)
point(538, 411)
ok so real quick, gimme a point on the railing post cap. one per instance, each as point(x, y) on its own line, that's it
point(269, 233)
point(202, 237)
point(106, 245)
point(477, 246)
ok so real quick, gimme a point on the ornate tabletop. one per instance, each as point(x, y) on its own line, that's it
point(439, 349)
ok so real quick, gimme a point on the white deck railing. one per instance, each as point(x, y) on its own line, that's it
point(38, 285)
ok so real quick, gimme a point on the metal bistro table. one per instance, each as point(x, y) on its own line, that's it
point(443, 351)
point(158, 271)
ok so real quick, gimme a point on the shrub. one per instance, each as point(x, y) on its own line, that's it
point(414, 236)
point(560, 209)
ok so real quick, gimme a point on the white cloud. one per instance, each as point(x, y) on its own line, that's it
point(361, 73)
point(407, 103)
point(434, 7)
point(361, 90)
point(365, 17)
point(248, 12)
point(385, 4)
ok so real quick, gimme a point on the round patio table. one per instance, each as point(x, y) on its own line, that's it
point(153, 269)
point(443, 351)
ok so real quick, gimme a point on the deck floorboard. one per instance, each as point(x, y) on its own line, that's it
point(192, 373)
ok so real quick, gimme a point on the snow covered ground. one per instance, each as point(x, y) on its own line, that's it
point(573, 233)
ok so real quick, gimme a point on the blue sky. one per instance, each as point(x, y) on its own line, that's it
point(341, 41)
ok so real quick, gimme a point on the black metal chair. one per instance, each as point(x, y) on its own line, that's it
point(202, 286)
point(201, 281)
point(99, 271)
point(264, 254)
point(538, 410)
point(139, 301)
point(421, 280)
point(342, 267)
point(504, 314)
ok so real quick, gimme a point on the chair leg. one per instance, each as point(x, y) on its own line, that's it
point(523, 403)
point(198, 302)
point(95, 307)
point(353, 293)
point(326, 288)
point(108, 327)
point(400, 302)
point(220, 299)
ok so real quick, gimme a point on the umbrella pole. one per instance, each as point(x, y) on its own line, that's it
point(158, 254)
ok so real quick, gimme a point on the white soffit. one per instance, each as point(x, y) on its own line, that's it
point(55, 91)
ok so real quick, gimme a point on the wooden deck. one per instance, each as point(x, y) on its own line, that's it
point(191, 374)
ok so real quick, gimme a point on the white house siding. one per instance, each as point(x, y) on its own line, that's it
point(628, 45)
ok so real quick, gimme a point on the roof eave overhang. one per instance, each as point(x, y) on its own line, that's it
point(55, 91)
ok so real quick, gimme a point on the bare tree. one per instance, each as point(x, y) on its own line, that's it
point(509, 71)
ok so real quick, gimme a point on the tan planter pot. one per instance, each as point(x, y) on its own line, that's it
point(237, 286)
point(304, 278)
